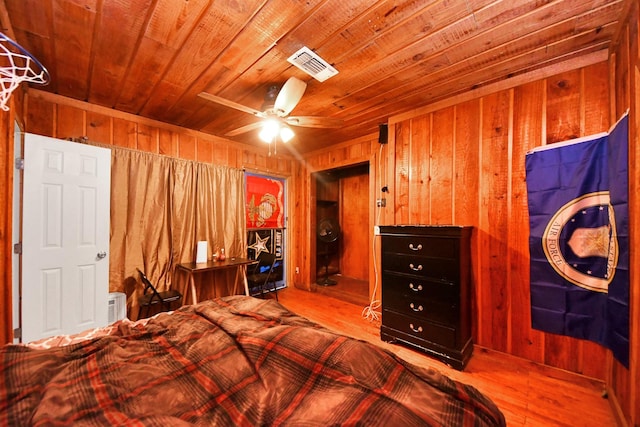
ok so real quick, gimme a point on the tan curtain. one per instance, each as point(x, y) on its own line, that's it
point(160, 208)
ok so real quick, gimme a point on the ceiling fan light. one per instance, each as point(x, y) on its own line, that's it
point(264, 136)
point(269, 131)
point(286, 134)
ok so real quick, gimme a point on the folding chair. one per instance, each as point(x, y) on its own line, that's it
point(263, 274)
point(152, 297)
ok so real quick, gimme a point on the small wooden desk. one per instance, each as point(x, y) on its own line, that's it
point(192, 268)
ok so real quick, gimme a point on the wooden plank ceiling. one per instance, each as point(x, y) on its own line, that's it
point(153, 57)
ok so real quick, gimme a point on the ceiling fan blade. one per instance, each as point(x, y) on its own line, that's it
point(289, 96)
point(231, 104)
point(243, 129)
point(314, 122)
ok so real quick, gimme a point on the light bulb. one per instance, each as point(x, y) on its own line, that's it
point(286, 134)
point(269, 130)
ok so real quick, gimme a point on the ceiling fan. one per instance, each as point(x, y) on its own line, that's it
point(278, 103)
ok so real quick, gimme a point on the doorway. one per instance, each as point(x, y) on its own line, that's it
point(342, 233)
point(265, 221)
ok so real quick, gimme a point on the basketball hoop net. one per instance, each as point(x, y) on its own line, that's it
point(16, 67)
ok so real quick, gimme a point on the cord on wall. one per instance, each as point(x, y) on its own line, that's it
point(372, 311)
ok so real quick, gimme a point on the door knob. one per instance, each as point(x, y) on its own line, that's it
point(101, 254)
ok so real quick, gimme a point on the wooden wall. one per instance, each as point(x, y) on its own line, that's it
point(625, 75)
point(462, 161)
point(354, 152)
point(464, 164)
point(354, 221)
point(60, 117)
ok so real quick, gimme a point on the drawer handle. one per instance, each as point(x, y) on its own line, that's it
point(414, 329)
point(415, 288)
point(414, 308)
point(415, 248)
point(414, 268)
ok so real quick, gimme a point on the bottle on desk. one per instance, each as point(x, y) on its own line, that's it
point(222, 256)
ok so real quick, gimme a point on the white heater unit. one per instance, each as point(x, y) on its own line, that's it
point(117, 306)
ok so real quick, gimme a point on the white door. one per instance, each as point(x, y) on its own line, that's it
point(15, 210)
point(65, 237)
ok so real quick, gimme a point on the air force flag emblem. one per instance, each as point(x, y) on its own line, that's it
point(579, 245)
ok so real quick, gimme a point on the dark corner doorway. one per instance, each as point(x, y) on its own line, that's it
point(342, 233)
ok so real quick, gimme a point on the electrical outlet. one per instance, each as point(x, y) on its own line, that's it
point(381, 203)
point(297, 270)
point(376, 230)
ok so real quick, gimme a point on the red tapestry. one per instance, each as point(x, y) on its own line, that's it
point(265, 202)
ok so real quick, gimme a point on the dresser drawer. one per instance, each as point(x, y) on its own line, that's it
point(423, 309)
point(440, 247)
point(444, 269)
point(422, 329)
point(419, 287)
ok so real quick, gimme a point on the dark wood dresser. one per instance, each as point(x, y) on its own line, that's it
point(426, 295)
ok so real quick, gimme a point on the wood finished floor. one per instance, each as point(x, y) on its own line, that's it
point(346, 289)
point(527, 393)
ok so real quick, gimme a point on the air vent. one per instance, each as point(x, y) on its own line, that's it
point(312, 64)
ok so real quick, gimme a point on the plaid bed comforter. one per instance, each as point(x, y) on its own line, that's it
point(230, 361)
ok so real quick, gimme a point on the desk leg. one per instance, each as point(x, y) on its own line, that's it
point(244, 280)
point(242, 269)
point(192, 282)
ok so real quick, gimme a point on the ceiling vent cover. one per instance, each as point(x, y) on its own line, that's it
point(312, 64)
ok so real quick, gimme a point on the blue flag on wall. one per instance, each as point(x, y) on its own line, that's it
point(579, 238)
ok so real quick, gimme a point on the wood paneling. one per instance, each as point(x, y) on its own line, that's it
point(354, 221)
point(493, 227)
point(464, 164)
point(490, 140)
point(487, 139)
point(98, 127)
point(466, 197)
point(441, 162)
point(465, 160)
point(327, 189)
point(153, 58)
point(563, 111)
point(528, 133)
point(416, 169)
point(484, 141)
point(625, 75)
point(63, 118)
point(461, 162)
point(351, 153)
point(477, 148)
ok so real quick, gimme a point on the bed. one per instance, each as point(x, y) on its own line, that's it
point(230, 361)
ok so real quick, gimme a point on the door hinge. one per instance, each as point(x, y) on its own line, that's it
point(17, 248)
point(17, 333)
point(19, 162)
